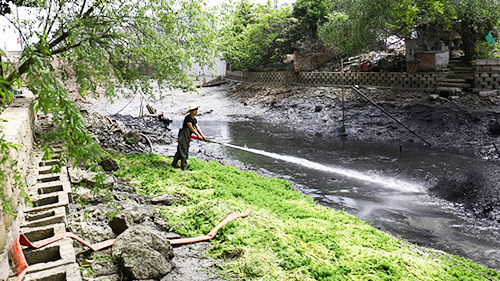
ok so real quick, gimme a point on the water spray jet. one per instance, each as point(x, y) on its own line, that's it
point(379, 180)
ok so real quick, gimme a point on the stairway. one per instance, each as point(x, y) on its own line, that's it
point(459, 78)
point(50, 191)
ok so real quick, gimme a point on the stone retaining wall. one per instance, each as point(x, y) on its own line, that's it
point(18, 122)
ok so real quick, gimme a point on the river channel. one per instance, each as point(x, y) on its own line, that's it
point(386, 185)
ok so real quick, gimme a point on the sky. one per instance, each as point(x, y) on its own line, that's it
point(10, 39)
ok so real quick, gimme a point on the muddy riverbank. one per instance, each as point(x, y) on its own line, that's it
point(465, 123)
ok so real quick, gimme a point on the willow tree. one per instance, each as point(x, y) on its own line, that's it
point(101, 44)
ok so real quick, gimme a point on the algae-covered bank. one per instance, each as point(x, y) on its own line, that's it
point(287, 236)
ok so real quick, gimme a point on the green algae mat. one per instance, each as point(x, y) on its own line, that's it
point(287, 236)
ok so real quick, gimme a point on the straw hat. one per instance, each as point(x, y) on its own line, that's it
point(192, 107)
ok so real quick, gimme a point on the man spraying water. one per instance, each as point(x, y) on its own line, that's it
point(189, 126)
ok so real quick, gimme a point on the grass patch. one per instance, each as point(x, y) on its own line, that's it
point(286, 236)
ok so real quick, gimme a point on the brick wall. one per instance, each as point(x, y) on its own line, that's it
point(424, 80)
point(17, 127)
point(269, 77)
point(487, 74)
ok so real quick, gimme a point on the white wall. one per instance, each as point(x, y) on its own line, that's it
point(10, 41)
point(206, 73)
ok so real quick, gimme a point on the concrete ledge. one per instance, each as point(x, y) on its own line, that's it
point(49, 201)
point(48, 163)
point(53, 255)
point(50, 177)
point(43, 232)
point(52, 187)
point(46, 170)
point(44, 217)
point(70, 272)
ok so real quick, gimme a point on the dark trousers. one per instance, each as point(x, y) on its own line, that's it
point(182, 148)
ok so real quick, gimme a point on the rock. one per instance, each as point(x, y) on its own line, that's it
point(138, 198)
point(121, 222)
point(77, 176)
point(85, 195)
point(489, 93)
point(109, 164)
point(137, 212)
point(124, 186)
point(433, 97)
point(90, 232)
point(142, 254)
point(114, 277)
point(494, 127)
point(165, 199)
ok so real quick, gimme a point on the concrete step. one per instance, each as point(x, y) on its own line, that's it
point(453, 80)
point(460, 67)
point(448, 90)
point(462, 71)
point(466, 76)
point(44, 218)
point(454, 85)
point(68, 272)
point(35, 234)
point(56, 254)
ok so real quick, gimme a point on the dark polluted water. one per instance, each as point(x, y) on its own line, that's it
point(400, 190)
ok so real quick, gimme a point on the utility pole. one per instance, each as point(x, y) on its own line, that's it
point(343, 131)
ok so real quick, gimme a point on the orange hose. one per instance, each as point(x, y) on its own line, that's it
point(21, 264)
point(212, 233)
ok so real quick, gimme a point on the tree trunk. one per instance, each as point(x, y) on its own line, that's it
point(469, 37)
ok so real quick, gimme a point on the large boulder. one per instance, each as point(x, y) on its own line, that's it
point(143, 255)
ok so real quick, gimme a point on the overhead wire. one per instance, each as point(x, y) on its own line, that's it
point(111, 114)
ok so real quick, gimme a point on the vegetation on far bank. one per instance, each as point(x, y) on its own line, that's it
point(286, 236)
point(256, 35)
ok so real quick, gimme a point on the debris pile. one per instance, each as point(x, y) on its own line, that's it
point(127, 134)
point(392, 60)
